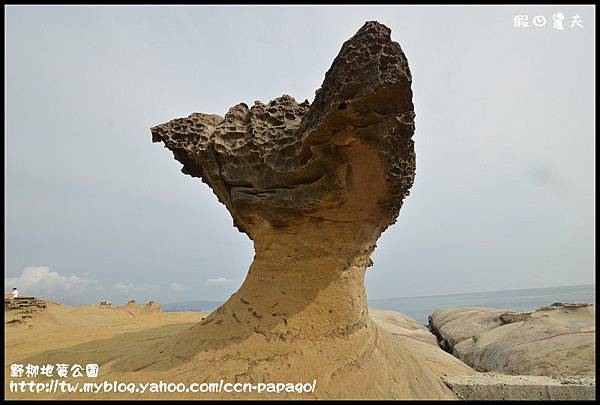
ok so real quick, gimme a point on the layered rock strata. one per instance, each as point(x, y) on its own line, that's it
point(21, 309)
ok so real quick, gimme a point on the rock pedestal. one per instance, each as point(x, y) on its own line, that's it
point(313, 186)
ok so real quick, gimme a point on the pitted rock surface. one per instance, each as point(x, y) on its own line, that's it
point(284, 162)
point(313, 186)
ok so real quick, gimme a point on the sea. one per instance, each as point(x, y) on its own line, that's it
point(421, 307)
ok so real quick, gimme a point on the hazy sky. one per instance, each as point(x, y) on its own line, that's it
point(504, 194)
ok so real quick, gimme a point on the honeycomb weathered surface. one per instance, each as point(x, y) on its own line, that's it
point(313, 186)
point(284, 162)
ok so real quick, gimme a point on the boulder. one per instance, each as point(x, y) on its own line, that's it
point(454, 325)
point(553, 341)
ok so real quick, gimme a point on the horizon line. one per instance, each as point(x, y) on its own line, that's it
point(479, 292)
point(426, 296)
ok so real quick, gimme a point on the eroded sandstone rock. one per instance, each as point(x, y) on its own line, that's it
point(21, 309)
point(284, 165)
point(455, 325)
point(313, 186)
point(555, 340)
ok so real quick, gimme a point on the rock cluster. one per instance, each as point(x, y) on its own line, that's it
point(136, 310)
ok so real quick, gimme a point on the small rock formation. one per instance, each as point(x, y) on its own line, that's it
point(512, 317)
point(21, 309)
point(131, 307)
point(313, 186)
point(151, 307)
point(522, 387)
point(454, 325)
point(560, 305)
point(555, 340)
point(136, 310)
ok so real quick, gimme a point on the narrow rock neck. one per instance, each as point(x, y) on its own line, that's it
point(289, 292)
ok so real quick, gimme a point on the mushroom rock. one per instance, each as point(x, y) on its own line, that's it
point(313, 186)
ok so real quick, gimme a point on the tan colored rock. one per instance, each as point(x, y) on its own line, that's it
point(22, 309)
point(552, 341)
point(421, 343)
point(152, 306)
point(401, 325)
point(455, 325)
point(522, 387)
point(313, 186)
point(512, 317)
point(133, 309)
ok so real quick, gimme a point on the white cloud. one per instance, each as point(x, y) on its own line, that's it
point(218, 281)
point(132, 288)
point(40, 281)
point(179, 287)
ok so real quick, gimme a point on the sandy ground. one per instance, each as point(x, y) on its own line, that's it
point(62, 326)
point(90, 334)
point(106, 336)
point(112, 336)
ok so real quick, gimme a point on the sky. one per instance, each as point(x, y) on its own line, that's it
point(504, 193)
